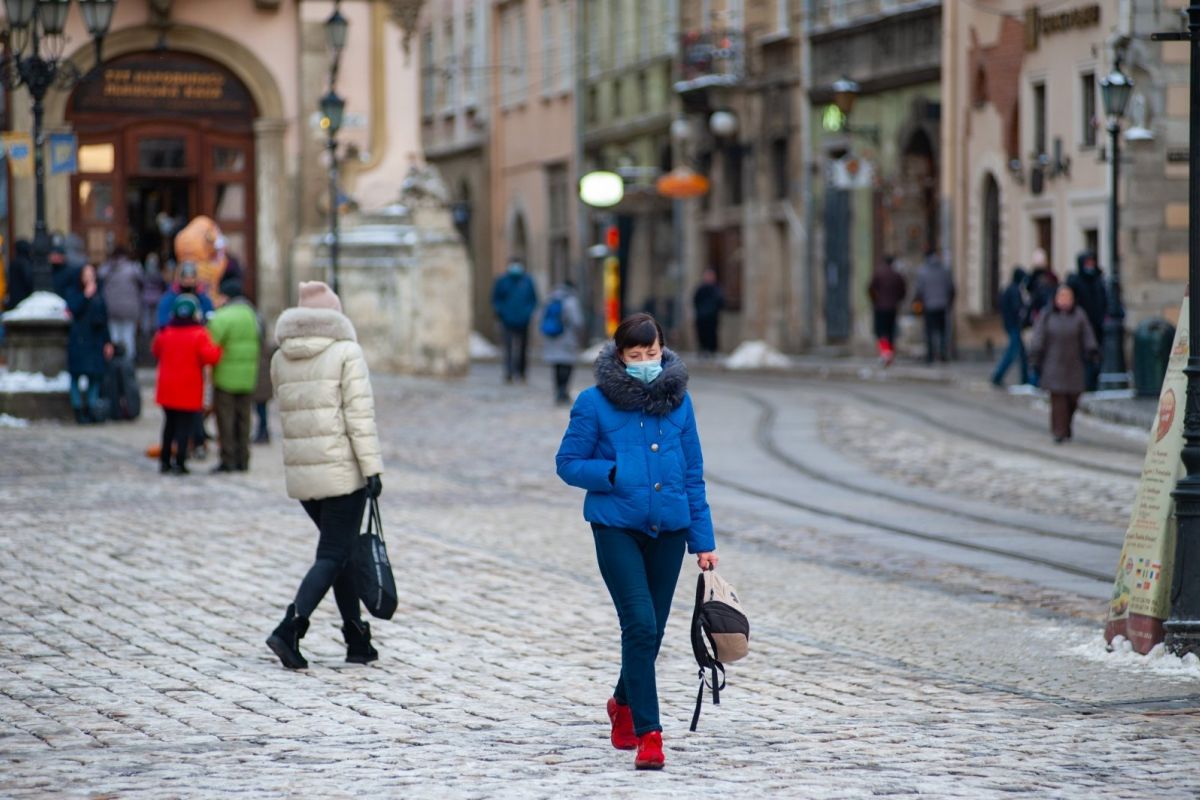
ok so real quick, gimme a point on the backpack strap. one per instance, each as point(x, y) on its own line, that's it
point(716, 687)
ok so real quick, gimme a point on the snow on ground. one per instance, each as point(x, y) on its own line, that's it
point(1090, 646)
point(756, 355)
point(33, 382)
point(481, 349)
point(9, 421)
point(39, 305)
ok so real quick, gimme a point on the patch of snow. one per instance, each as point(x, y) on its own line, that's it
point(39, 305)
point(1122, 656)
point(1026, 389)
point(756, 355)
point(481, 349)
point(33, 382)
point(590, 355)
point(9, 421)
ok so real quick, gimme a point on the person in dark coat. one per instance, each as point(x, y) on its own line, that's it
point(88, 345)
point(632, 443)
point(708, 303)
point(1062, 342)
point(514, 299)
point(20, 273)
point(935, 292)
point(1014, 313)
point(1091, 296)
point(887, 291)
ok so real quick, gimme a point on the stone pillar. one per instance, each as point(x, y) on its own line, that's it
point(274, 211)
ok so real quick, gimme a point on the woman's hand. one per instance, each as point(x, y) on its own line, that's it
point(706, 561)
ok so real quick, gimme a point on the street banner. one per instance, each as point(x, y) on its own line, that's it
point(64, 154)
point(1141, 593)
point(18, 148)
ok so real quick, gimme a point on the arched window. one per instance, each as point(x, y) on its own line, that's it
point(989, 237)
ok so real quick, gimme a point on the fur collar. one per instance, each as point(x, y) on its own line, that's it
point(323, 323)
point(658, 398)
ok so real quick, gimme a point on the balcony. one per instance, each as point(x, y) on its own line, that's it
point(709, 59)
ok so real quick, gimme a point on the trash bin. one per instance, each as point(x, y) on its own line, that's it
point(1151, 350)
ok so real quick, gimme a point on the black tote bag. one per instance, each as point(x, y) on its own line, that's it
point(371, 570)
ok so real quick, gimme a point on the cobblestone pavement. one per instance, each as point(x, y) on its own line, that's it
point(135, 607)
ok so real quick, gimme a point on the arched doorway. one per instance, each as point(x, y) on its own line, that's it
point(915, 206)
point(989, 237)
point(164, 136)
point(518, 240)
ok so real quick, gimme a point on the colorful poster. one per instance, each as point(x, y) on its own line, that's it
point(18, 147)
point(1141, 593)
point(64, 154)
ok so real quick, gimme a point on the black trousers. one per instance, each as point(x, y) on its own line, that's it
point(233, 427)
point(885, 324)
point(935, 335)
point(339, 519)
point(177, 430)
point(706, 333)
point(516, 343)
point(562, 380)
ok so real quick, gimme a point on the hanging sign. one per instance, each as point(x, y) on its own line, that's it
point(64, 154)
point(18, 148)
point(1141, 593)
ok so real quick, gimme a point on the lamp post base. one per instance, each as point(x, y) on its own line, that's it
point(1182, 636)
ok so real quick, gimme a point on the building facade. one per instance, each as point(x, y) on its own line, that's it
point(211, 108)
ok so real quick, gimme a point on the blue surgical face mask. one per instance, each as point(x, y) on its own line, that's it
point(644, 371)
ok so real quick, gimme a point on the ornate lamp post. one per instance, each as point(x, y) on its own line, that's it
point(1115, 89)
point(33, 49)
point(333, 109)
point(1183, 626)
point(845, 93)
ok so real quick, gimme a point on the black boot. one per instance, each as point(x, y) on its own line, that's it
point(358, 643)
point(285, 639)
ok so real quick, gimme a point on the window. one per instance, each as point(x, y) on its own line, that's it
point(779, 168)
point(162, 155)
point(593, 104)
point(559, 232)
point(1044, 227)
point(96, 201)
point(733, 158)
point(228, 159)
point(549, 49)
point(450, 98)
point(97, 157)
point(725, 255)
point(428, 73)
point(1091, 241)
point(1087, 106)
point(1039, 118)
point(566, 47)
point(989, 236)
point(643, 91)
point(470, 70)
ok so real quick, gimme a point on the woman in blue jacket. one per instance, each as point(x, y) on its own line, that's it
point(632, 444)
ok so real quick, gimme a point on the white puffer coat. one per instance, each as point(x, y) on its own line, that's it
point(324, 392)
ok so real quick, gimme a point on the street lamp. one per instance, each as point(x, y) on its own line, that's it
point(1183, 625)
point(333, 111)
point(33, 46)
point(845, 93)
point(1115, 89)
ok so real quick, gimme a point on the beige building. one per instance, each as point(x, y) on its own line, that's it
point(1027, 150)
point(249, 152)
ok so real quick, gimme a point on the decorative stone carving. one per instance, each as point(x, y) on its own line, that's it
point(406, 13)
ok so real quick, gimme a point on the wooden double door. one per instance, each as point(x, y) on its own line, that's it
point(139, 184)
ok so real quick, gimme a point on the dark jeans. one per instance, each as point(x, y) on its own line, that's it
point(706, 334)
point(516, 343)
point(177, 430)
point(1014, 353)
point(93, 392)
point(233, 427)
point(935, 335)
point(1062, 411)
point(640, 572)
point(562, 380)
point(260, 410)
point(339, 520)
point(885, 324)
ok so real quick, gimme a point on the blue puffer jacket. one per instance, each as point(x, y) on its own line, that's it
point(647, 433)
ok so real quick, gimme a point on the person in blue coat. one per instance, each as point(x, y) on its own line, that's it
point(514, 299)
point(632, 444)
point(88, 345)
point(186, 282)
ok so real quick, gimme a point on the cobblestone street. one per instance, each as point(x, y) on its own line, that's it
point(135, 607)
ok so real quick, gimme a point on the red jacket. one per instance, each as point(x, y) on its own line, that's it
point(182, 352)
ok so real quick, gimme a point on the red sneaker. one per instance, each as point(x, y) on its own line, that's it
point(623, 737)
point(649, 751)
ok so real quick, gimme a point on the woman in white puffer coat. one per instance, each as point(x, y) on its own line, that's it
point(331, 458)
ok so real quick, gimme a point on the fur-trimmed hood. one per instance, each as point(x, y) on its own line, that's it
point(305, 332)
point(658, 398)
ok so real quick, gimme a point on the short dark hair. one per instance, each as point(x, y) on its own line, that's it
point(638, 330)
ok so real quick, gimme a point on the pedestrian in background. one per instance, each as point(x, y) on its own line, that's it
point(331, 459)
point(88, 345)
point(514, 299)
point(708, 302)
point(1062, 342)
point(187, 281)
point(123, 280)
point(562, 324)
point(887, 291)
point(1014, 313)
point(183, 349)
point(935, 293)
point(20, 274)
point(236, 329)
point(632, 443)
point(263, 390)
point(1088, 284)
point(154, 286)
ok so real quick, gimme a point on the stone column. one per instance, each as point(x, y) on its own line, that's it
point(273, 212)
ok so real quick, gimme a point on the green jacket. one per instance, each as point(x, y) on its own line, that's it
point(234, 327)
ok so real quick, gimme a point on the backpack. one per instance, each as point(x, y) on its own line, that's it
point(552, 318)
point(720, 633)
point(119, 387)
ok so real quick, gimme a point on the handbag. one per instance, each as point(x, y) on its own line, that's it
point(370, 569)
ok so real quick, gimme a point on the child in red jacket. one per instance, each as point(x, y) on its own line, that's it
point(183, 349)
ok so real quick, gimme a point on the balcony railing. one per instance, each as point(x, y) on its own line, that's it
point(710, 58)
